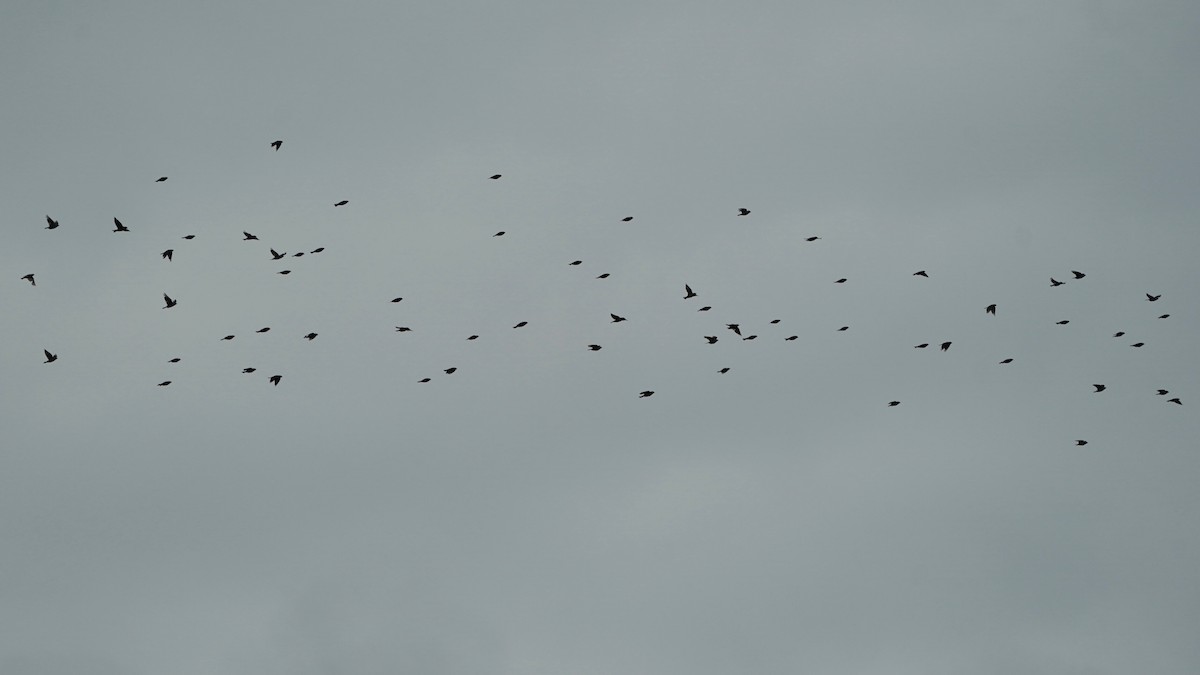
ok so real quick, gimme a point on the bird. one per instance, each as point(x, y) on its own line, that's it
point(343, 202)
point(397, 299)
point(161, 179)
point(120, 227)
point(1006, 361)
point(945, 346)
point(318, 249)
point(1099, 388)
point(626, 219)
point(991, 309)
point(790, 337)
point(284, 272)
point(1080, 442)
point(923, 345)
point(616, 319)
point(227, 337)
point(50, 357)
point(449, 371)
point(812, 239)
point(603, 276)
point(310, 337)
point(274, 379)
point(1162, 392)
point(893, 404)
point(402, 329)
point(712, 339)
point(297, 255)
point(734, 327)
point(594, 348)
point(171, 302)
point(1153, 298)
point(1118, 333)
point(189, 236)
point(1138, 344)
point(843, 328)
point(1063, 322)
point(921, 273)
point(646, 394)
point(499, 234)
point(424, 380)
point(263, 329)
point(723, 370)
point(688, 293)
point(522, 324)
point(495, 177)
point(774, 321)
point(246, 236)
point(276, 255)
point(1175, 401)
point(749, 337)
point(249, 370)
point(743, 212)
point(472, 337)
point(1078, 275)
point(575, 262)
point(51, 223)
point(167, 254)
point(175, 360)
point(840, 281)
point(1164, 316)
point(276, 145)
point(164, 383)
point(29, 278)
point(1055, 282)
point(704, 308)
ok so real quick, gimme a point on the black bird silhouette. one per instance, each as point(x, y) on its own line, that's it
point(284, 272)
point(449, 371)
point(603, 276)
point(397, 299)
point(249, 370)
point(1055, 282)
point(893, 404)
point(1164, 316)
point(472, 337)
point(1175, 401)
point(263, 329)
point(29, 278)
point(175, 360)
point(812, 239)
point(840, 281)
point(49, 357)
point(575, 262)
point(1118, 333)
point(594, 348)
point(120, 227)
point(51, 223)
point(734, 327)
point(1078, 275)
point(310, 337)
point(1138, 344)
point(774, 321)
point(843, 328)
point(246, 236)
point(424, 380)
point(495, 177)
point(343, 202)
point(1080, 442)
point(167, 254)
point(1063, 322)
point(522, 324)
point(712, 339)
point(164, 383)
point(646, 394)
point(297, 255)
point(170, 301)
point(945, 346)
point(920, 274)
point(923, 345)
point(704, 308)
point(318, 249)
point(626, 219)
point(402, 329)
point(1099, 388)
point(688, 292)
point(749, 337)
point(161, 179)
point(276, 255)
point(274, 379)
point(276, 145)
point(726, 369)
point(1162, 392)
point(991, 309)
point(743, 212)
point(1006, 361)
point(1152, 298)
point(499, 234)
point(616, 319)
point(227, 337)
point(791, 337)
point(191, 236)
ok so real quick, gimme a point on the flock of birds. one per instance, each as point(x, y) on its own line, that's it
point(688, 294)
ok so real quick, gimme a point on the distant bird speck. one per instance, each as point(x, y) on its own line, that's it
point(626, 219)
point(275, 379)
point(1175, 401)
point(921, 273)
point(723, 370)
point(1099, 388)
point(1063, 322)
point(51, 223)
point(688, 292)
point(1006, 361)
point(50, 358)
point(704, 308)
point(712, 339)
point(29, 278)
point(1138, 344)
point(812, 239)
point(227, 337)
point(791, 337)
point(1118, 333)
point(991, 309)
point(522, 324)
point(749, 337)
point(171, 302)
point(1165, 316)
point(297, 255)
point(310, 337)
point(945, 346)
point(161, 179)
point(594, 348)
point(284, 272)
point(246, 236)
point(616, 319)
point(1055, 282)
point(249, 370)
point(1078, 275)
point(449, 371)
point(318, 249)
point(276, 255)
point(734, 327)
point(843, 328)
point(168, 254)
point(279, 144)
point(120, 227)
point(743, 212)
point(397, 299)
point(893, 404)
point(495, 176)
point(263, 329)
point(840, 281)
point(774, 321)
point(499, 234)
point(164, 383)
point(402, 329)
point(472, 337)
point(175, 360)
point(1153, 298)
point(575, 262)
point(645, 394)
point(190, 236)
point(1080, 442)
point(343, 202)
point(424, 380)
point(603, 276)
point(1162, 392)
point(923, 345)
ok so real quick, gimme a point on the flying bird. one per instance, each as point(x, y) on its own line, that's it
point(1175, 401)
point(495, 176)
point(249, 370)
point(749, 337)
point(1118, 333)
point(724, 370)
point(522, 324)
point(1055, 282)
point(616, 319)
point(843, 328)
point(120, 227)
point(712, 339)
point(171, 302)
point(246, 236)
point(499, 234)
point(472, 337)
point(161, 179)
point(645, 394)
point(603, 276)
point(1138, 344)
point(1078, 275)
point(1081, 442)
point(1152, 298)
point(893, 404)
point(276, 145)
point(175, 360)
point(397, 299)
point(51, 223)
point(167, 254)
point(297, 255)
point(402, 329)
point(1164, 316)
point(164, 383)
point(276, 255)
point(449, 371)
point(263, 329)
point(704, 308)
point(191, 236)
point(575, 262)
point(920, 274)
point(1099, 388)
point(790, 337)
point(1063, 322)
point(743, 212)
point(688, 292)
point(29, 278)
point(945, 346)
point(227, 337)
point(343, 202)
point(774, 321)
point(812, 239)
point(284, 272)
point(318, 249)
point(991, 309)
point(50, 357)
point(424, 380)
point(734, 327)
point(594, 348)
point(274, 379)
point(840, 281)
point(1162, 392)
point(923, 345)
point(310, 337)
point(1006, 361)
point(626, 219)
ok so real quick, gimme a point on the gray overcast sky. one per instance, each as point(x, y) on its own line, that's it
point(529, 514)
